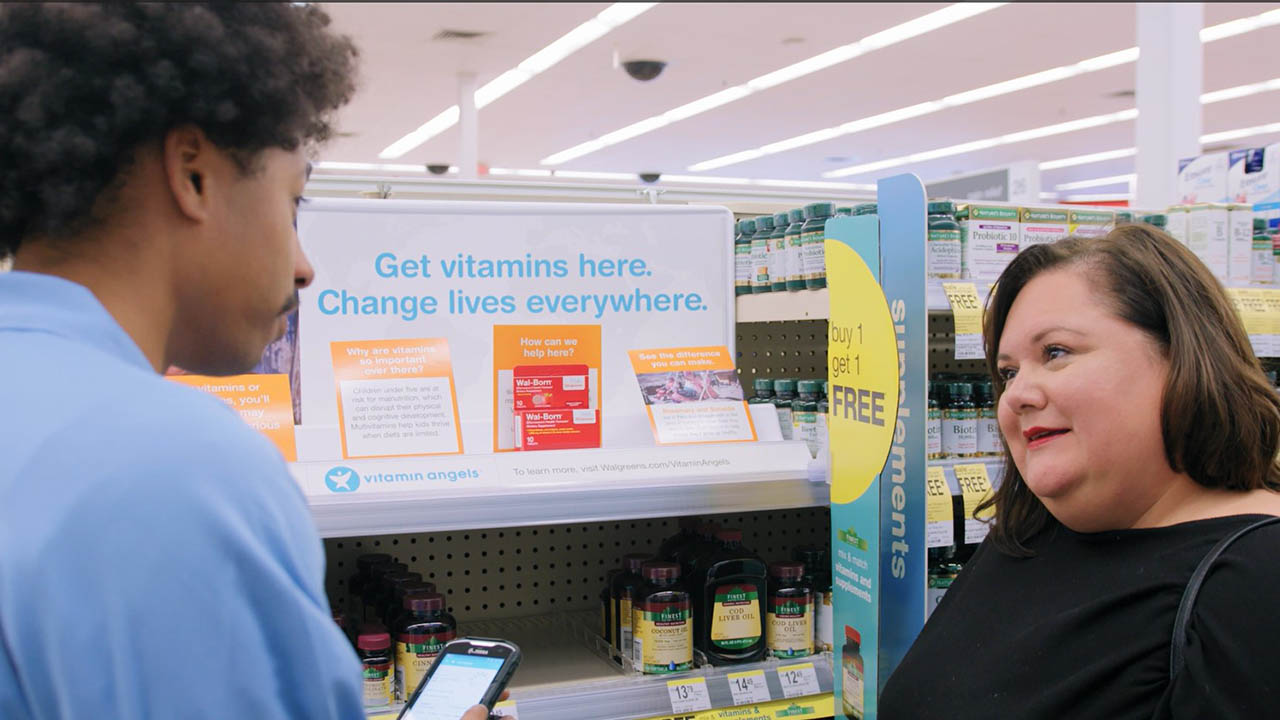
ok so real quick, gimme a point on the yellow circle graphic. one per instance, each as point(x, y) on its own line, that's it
point(862, 374)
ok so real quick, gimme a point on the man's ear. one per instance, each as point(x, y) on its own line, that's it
point(188, 158)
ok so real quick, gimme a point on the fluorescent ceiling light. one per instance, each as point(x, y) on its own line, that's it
point(520, 172)
point(912, 28)
point(974, 145)
point(592, 175)
point(1090, 158)
point(1241, 133)
point(384, 167)
point(1098, 182)
point(986, 92)
point(588, 32)
point(1240, 91)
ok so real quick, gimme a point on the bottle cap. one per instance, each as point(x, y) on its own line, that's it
point(852, 635)
point(811, 387)
point(781, 220)
point(763, 385)
point(373, 637)
point(382, 571)
point(365, 563)
point(846, 211)
point(866, 209)
point(424, 602)
point(812, 557)
point(748, 227)
point(942, 207)
point(785, 385)
point(634, 561)
point(764, 222)
point(416, 588)
point(654, 570)
point(961, 390)
point(729, 535)
point(818, 210)
point(796, 216)
point(787, 570)
point(401, 579)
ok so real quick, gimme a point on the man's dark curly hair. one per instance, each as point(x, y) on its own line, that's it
point(82, 87)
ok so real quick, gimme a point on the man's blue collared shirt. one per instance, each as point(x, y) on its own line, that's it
point(156, 558)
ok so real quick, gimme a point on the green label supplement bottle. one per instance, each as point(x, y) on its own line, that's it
point(424, 629)
point(760, 255)
point(960, 423)
point(789, 621)
point(988, 423)
point(730, 595)
point(804, 414)
point(814, 234)
point(851, 669)
point(373, 645)
point(621, 590)
point(742, 257)
point(818, 577)
point(866, 209)
point(663, 641)
point(943, 255)
point(795, 250)
point(779, 267)
point(933, 426)
point(784, 391)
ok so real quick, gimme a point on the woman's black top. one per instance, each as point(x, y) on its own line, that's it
point(1082, 630)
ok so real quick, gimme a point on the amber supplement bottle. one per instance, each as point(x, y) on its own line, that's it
point(852, 698)
point(621, 589)
point(392, 597)
point(730, 589)
point(663, 641)
point(373, 645)
point(414, 588)
point(789, 620)
point(365, 565)
point(817, 575)
point(374, 590)
point(423, 631)
point(688, 532)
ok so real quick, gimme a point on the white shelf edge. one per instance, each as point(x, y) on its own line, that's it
point(783, 306)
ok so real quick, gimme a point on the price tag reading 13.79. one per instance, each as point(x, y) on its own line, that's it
point(688, 695)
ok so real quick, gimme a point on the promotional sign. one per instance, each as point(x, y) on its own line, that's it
point(262, 400)
point(692, 395)
point(645, 276)
point(877, 356)
point(966, 310)
point(546, 368)
point(395, 398)
point(975, 487)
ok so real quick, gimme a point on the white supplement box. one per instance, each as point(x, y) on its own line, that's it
point(1254, 178)
point(1207, 232)
point(989, 237)
point(1203, 179)
point(1239, 244)
point(1090, 223)
point(1038, 226)
point(1176, 222)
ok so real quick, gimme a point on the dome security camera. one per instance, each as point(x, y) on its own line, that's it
point(650, 177)
point(437, 169)
point(644, 70)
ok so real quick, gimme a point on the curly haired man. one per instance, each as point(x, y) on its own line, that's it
point(156, 559)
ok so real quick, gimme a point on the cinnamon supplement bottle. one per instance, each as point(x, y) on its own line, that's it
point(424, 629)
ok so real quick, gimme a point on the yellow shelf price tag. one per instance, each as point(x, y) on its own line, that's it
point(506, 708)
point(939, 529)
point(798, 680)
point(688, 695)
point(966, 309)
point(749, 687)
point(813, 706)
point(975, 487)
point(1252, 307)
point(1271, 299)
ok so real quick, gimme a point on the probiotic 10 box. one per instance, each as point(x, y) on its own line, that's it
point(989, 237)
point(1041, 225)
point(1203, 179)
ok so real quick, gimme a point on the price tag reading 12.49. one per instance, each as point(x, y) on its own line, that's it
point(798, 680)
point(749, 687)
point(862, 361)
point(689, 695)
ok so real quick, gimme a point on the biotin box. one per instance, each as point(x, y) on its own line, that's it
point(1039, 226)
point(557, 429)
point(989, 237)
point(1090, 223)
point(547, 387)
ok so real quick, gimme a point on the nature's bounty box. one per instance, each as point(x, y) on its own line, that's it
point(1090, 223)
point(1038, 226)
point(988, 240)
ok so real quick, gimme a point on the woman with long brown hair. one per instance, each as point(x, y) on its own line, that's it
point(1141, 438)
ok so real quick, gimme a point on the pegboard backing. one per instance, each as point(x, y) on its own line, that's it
point(796, 348)
point(491, 574)
point(942, 348)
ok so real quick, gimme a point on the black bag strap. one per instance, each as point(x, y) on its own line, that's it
point(1178, 647)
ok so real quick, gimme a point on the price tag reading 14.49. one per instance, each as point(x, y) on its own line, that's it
point(749, 687)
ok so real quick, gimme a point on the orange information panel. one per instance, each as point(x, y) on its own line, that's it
point(262, 400)
point(692, 395)
point(545, 368)
point(396, 398)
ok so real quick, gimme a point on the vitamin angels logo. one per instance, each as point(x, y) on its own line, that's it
point(342, 479)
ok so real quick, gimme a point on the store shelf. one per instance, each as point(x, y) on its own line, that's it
point(936, 298)
point(564, 675)
point(516, 489)
point(995, 469)
point(784, 306)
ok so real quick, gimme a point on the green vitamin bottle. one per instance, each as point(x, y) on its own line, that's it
point(742, 257)
point(795, 250)
point(960, 423)
point(943, 258)
point(804, 411)
point(779, 261)
point(784, 391)
point(933, 426)
point(814, 252)
point(760, 255)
